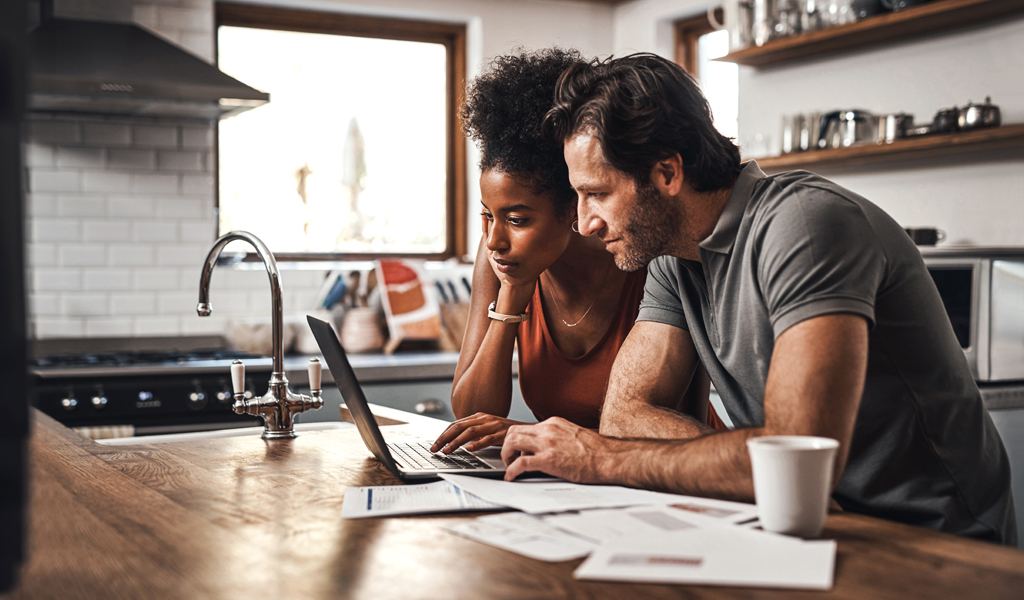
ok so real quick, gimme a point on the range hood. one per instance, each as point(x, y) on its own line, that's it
point(121, 69)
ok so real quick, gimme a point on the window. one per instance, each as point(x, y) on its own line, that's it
point(697, 45)
point(358, 154)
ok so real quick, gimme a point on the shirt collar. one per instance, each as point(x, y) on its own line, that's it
point(722, 238)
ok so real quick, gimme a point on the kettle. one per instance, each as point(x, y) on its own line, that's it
point(973, 115)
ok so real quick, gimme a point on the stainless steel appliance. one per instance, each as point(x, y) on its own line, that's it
point(144, 393)
point(983, 291)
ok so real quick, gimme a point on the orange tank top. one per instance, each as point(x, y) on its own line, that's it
point(554, 384)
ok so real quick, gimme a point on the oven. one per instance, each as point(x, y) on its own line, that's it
point(122, 394)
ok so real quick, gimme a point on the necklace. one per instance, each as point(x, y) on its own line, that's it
point(557, 308)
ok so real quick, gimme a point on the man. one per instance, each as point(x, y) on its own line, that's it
point(810, 308)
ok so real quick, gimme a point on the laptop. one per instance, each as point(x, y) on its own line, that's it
point(410, 460)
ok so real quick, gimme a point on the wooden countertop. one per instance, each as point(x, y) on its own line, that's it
point(244, 518)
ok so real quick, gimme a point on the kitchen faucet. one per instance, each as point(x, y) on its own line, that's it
point(279, 405)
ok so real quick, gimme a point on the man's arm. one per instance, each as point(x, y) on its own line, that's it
point(648, 383)
point(814, 387)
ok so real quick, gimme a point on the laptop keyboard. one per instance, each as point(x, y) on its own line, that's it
point(417, 456)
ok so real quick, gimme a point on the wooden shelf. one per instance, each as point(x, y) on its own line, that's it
point(941, 15)
point(925, 146)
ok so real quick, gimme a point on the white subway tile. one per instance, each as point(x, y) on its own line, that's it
point(231, 302)
point(41, 205)
point(59, 132)
point(42, 255)
point(185, 18)
point(108, 326)
point(107, 134)
point(56, 280)
point(46, 229)
point(209, 162)
point(161, 136)
point(211, 325)
point(47, 180)
point(78, 158)
point(106, 181)
point(58, 328)
point(39, 155)
point(197, 138)
point(197, 230)
point(183, 208)
point(46, 305)
point(107, 280)
point(153, 279)
point(131, 206)
point(132, 255)
point(154, 231)
point(197, 184)
point(177, 303)
point(155, 184)
point(166, 325)
point(145, 15)
point(81, 206)
point(106, 230)
point(300, 279)
point(132, 304)
point(246, 280)
point(172, 160)
point(85, 305)
point(83, 255)
point(181, 255)
point(132, 159)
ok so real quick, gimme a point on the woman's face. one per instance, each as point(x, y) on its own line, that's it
point(524, 233)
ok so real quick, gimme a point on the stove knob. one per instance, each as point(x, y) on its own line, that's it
point(99, 401)
point(69, 402)
point(197, 399)
point(224, 396)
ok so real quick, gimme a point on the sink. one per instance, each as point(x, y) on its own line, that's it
point(192, 436)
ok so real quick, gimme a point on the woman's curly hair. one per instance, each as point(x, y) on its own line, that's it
point(503, 112)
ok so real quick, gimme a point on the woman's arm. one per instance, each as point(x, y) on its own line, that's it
point(483, 378)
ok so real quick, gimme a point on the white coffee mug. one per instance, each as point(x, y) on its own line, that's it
point(792, 481)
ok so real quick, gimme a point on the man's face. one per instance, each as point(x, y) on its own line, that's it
point(636, 224)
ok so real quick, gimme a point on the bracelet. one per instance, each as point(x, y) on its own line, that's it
point(505, 318)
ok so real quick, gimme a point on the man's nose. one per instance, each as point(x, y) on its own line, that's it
point(589, 222)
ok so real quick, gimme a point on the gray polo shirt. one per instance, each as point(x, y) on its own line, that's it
point(795, 246)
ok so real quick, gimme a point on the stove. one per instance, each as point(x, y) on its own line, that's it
point(111, 394)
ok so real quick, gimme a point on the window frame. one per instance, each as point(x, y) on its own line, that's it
point(451, 35)
point(688, 32)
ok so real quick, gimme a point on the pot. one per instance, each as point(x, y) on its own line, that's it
point(945, 120)
point(893, 127)
point(846, 128)
point(974, 116)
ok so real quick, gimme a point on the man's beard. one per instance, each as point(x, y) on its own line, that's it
point(651, 229)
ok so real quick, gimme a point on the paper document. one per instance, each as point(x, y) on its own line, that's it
point(556, 495)
point(730, 556)
point(524, 534)
point(649, 521)
point(436, 497)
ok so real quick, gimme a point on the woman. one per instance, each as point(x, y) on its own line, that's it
point(532, 261)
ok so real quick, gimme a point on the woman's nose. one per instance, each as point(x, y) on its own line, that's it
point(496, 239)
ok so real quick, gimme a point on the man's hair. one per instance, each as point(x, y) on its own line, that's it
point(642, 109)
point(503, 112)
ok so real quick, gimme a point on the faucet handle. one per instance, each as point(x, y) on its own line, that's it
point(315, 369)
point(238, 379)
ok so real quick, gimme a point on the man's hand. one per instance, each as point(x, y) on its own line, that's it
point(475, 432)
point(559, 448)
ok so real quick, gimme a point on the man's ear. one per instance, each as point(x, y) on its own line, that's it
point(667, 175)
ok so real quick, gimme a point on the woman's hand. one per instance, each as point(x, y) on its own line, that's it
point(475, 432)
